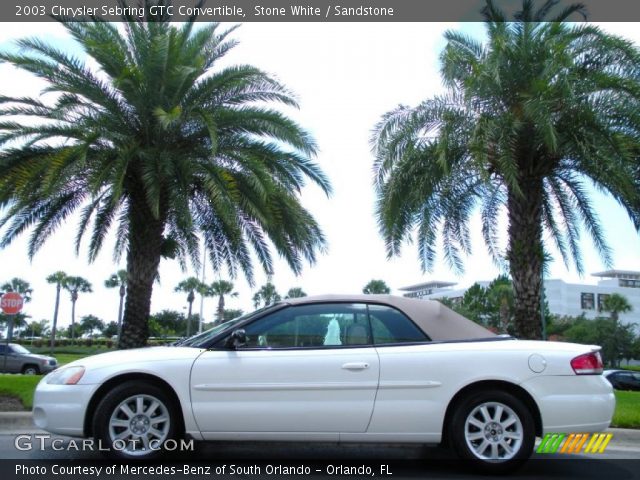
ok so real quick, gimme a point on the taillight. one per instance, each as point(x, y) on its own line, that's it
point(587, 364)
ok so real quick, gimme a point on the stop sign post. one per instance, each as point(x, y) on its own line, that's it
point(11, 304)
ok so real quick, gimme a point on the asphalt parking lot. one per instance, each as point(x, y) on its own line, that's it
point(258, 460)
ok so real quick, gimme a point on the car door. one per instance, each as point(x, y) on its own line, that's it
point(408, 402)
point(9, 361)
point(306, 368)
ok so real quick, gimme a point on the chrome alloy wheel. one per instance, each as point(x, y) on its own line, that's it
point(139, 424)
point(493, 431)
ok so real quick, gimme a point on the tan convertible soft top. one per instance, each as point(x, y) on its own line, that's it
point(440, 323)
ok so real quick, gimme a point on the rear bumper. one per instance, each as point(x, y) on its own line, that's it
point(576, 403)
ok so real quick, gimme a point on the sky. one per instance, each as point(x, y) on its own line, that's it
point(345, 76)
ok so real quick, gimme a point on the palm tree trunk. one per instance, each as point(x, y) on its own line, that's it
point(55, 318)
point(143, 258)
point(526, 256)
point(221, 309)
point(73, 321)
point(504, 316)
point(122, 293)
point(189, 319)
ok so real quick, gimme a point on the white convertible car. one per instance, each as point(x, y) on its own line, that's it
point(361, 368)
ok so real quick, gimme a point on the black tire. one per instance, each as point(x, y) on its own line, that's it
point(109, 407)
point(479, 452)
point(30, 370)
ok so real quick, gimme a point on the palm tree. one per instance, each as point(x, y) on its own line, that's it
point(118, 280)
point(266, 296)
point(75, 286)
point(219, 289)
point(89, 324)
point(190, 286)
point(58, 278)
point(530, 120)
point(376, 286)
point(20, 286)
point(500, 296)
point(38, 328)
point(14, 323)
point(164, 147)
point(295, 292)
point(616, 304)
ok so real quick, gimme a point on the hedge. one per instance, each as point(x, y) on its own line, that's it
point(84, 342)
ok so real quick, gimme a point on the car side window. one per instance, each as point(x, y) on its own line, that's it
point(391, 326)
point(311, 326)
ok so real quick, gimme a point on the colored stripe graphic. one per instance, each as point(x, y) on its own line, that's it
point(551, 442)
point(598, 443)
point(581, 443)
point(574, 443)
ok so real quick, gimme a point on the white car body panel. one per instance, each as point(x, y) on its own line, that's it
point(342, 392)
point(408, 408)
point(307, 395)
point(171, 364)
point(58, 408)
point(284, 390)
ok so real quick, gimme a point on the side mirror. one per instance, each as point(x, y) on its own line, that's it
point(237, 339)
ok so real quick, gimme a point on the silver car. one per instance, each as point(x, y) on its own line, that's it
point(21, 360)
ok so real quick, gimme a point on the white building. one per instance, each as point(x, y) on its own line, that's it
point(424, 290)
point(563, 298)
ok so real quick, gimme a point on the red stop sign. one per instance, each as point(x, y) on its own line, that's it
point(11, 303)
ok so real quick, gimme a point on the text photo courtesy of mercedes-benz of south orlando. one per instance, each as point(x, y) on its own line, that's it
point(246, 239)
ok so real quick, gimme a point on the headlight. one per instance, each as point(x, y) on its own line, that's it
point(65, 376)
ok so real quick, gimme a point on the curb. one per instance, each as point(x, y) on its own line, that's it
point(625, 435)
point(10, 421)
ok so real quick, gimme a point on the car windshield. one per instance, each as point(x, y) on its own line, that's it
point(201, 339)
point(19, 349)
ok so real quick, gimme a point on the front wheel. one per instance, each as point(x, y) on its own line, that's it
point(135, 420)
point(494, 430)
point(30, 370)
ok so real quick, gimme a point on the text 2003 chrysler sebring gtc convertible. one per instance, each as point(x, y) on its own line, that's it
point(336, 368)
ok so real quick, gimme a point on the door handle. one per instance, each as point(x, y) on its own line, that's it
point(355, 366)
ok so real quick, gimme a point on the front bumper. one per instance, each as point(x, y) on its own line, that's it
point(61, 409)
point(48, 368)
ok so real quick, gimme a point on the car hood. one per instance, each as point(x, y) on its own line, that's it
point(35, 356)
point(137, 356)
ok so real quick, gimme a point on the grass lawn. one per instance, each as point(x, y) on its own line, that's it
point(20, 386)
point(77, 350)
point(68, 354)
point(23, 386)
point(64, 358)
point(627, 414)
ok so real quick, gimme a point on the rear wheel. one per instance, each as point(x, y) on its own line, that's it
point(135, 420)
point(494, 430)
